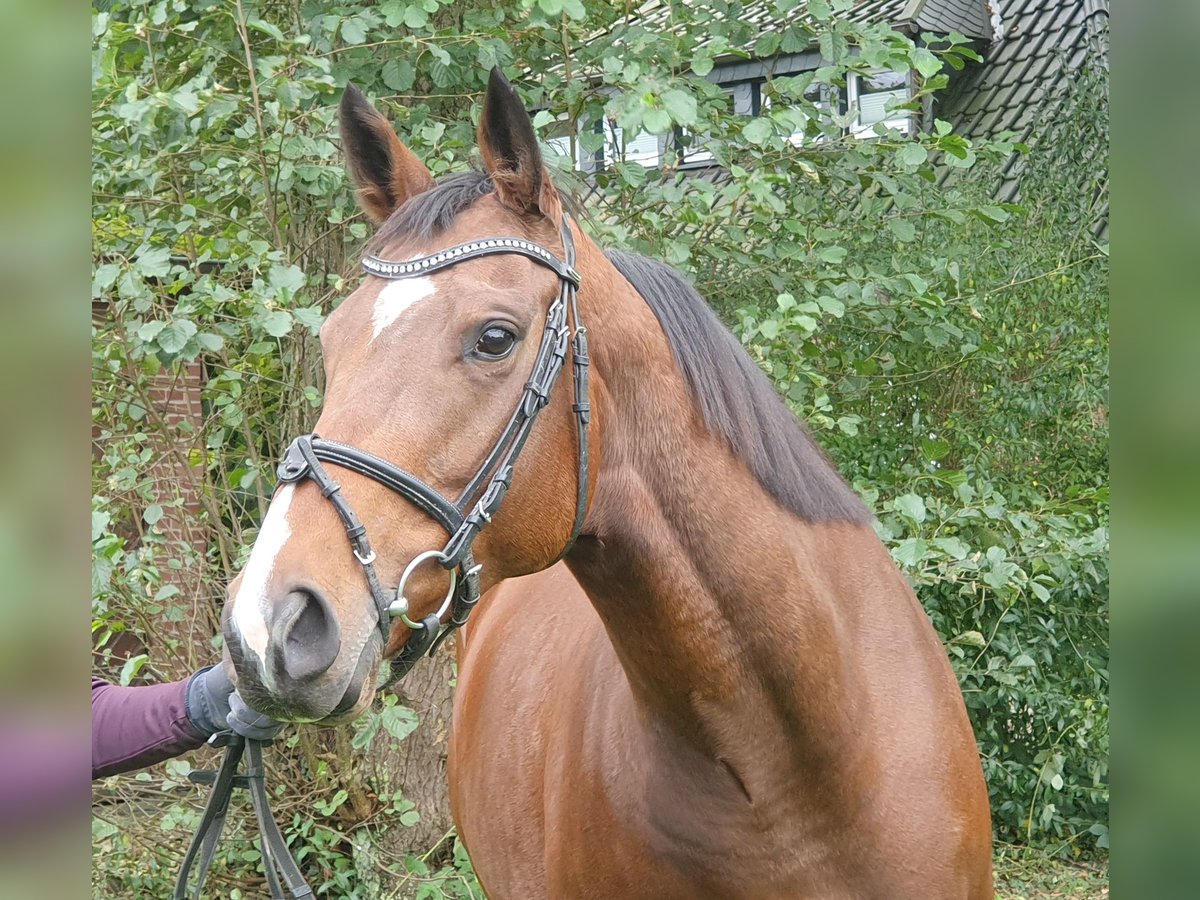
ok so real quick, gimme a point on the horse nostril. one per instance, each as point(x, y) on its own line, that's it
point(305, 637)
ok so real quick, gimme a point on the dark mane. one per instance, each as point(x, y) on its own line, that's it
point(737, 400)
point(429, 214)
point(735, 397)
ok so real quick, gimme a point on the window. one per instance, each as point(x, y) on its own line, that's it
point(558, 138)
point(643, 149)
point(871, 95)
point(817, 94)
point(694, 153)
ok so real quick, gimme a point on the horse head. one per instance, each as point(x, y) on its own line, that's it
point(435, 367)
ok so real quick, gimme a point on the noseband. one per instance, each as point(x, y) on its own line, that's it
point(464, 518)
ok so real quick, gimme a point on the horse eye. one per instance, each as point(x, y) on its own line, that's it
point(496, 342)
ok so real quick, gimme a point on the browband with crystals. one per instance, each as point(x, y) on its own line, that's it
point(392, 269)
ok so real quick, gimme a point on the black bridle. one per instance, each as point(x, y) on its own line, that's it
point(463, 519)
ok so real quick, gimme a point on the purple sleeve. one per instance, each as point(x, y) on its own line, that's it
point(134, 727)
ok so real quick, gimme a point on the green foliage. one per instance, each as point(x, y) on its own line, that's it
point(950, 351)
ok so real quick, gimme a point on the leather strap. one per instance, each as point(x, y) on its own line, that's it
point(278, 863)
point(385, 268)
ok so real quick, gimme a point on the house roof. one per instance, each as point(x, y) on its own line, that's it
point(1018, 84)
point(970, 18)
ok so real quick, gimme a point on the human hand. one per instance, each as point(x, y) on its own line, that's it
point(213, 705)
point(249, 722)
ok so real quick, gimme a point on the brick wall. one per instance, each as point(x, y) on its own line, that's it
point(175, 395)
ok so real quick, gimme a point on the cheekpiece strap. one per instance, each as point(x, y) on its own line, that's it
point(392, 269)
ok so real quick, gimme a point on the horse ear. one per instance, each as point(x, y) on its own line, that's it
point(385, 172)
point(510, 152)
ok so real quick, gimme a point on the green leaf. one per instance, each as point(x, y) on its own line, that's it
point(103, 278)
point(415, 17)
point(399, 721)
point(903, 229)
point(149, 331)
point(909, 552)
point(833, 46)
point(993, 213)
point(186, 101)
point(832, 305)
point(953, 547)
point(807, 324)
point(936, 335)
point(100, 522)
point(768, 44)
point(154, 262)
point(132, 666)
point(210, 342)
point(833, 255)
point(289, 278)
point(819, 10)
point(758, 130)
point(153, 514)
point(267, 28)
point(656, 121)
point(175, 335)
point(970, 638)
point(681, 106)
point(912, 155)
point(925, 62)
point(354, 30)
point(310, 317)
point(934, 449)
point(911, 506)
point(399, 74)
point(277, 323)
point(702, 65)
point(392, 12)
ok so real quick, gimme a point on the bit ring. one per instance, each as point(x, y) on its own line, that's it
point(399, 606)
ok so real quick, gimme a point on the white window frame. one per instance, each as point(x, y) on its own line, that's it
point(698, 158)
point(901, 120)
point(617, 149)
point(796, 138)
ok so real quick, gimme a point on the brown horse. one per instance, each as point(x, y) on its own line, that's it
point(725, 689)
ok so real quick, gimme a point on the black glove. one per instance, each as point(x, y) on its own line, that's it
point(213, 705)
point(250, 723)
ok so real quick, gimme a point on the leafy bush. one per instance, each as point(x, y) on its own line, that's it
point(949, 350)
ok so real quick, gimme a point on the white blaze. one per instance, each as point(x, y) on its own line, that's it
point(396, 297)
point(250, 604)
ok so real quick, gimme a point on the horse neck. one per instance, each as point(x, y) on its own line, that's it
point(718, 602)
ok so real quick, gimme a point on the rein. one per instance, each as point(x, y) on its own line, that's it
point(463, 519)
point(278, 862)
